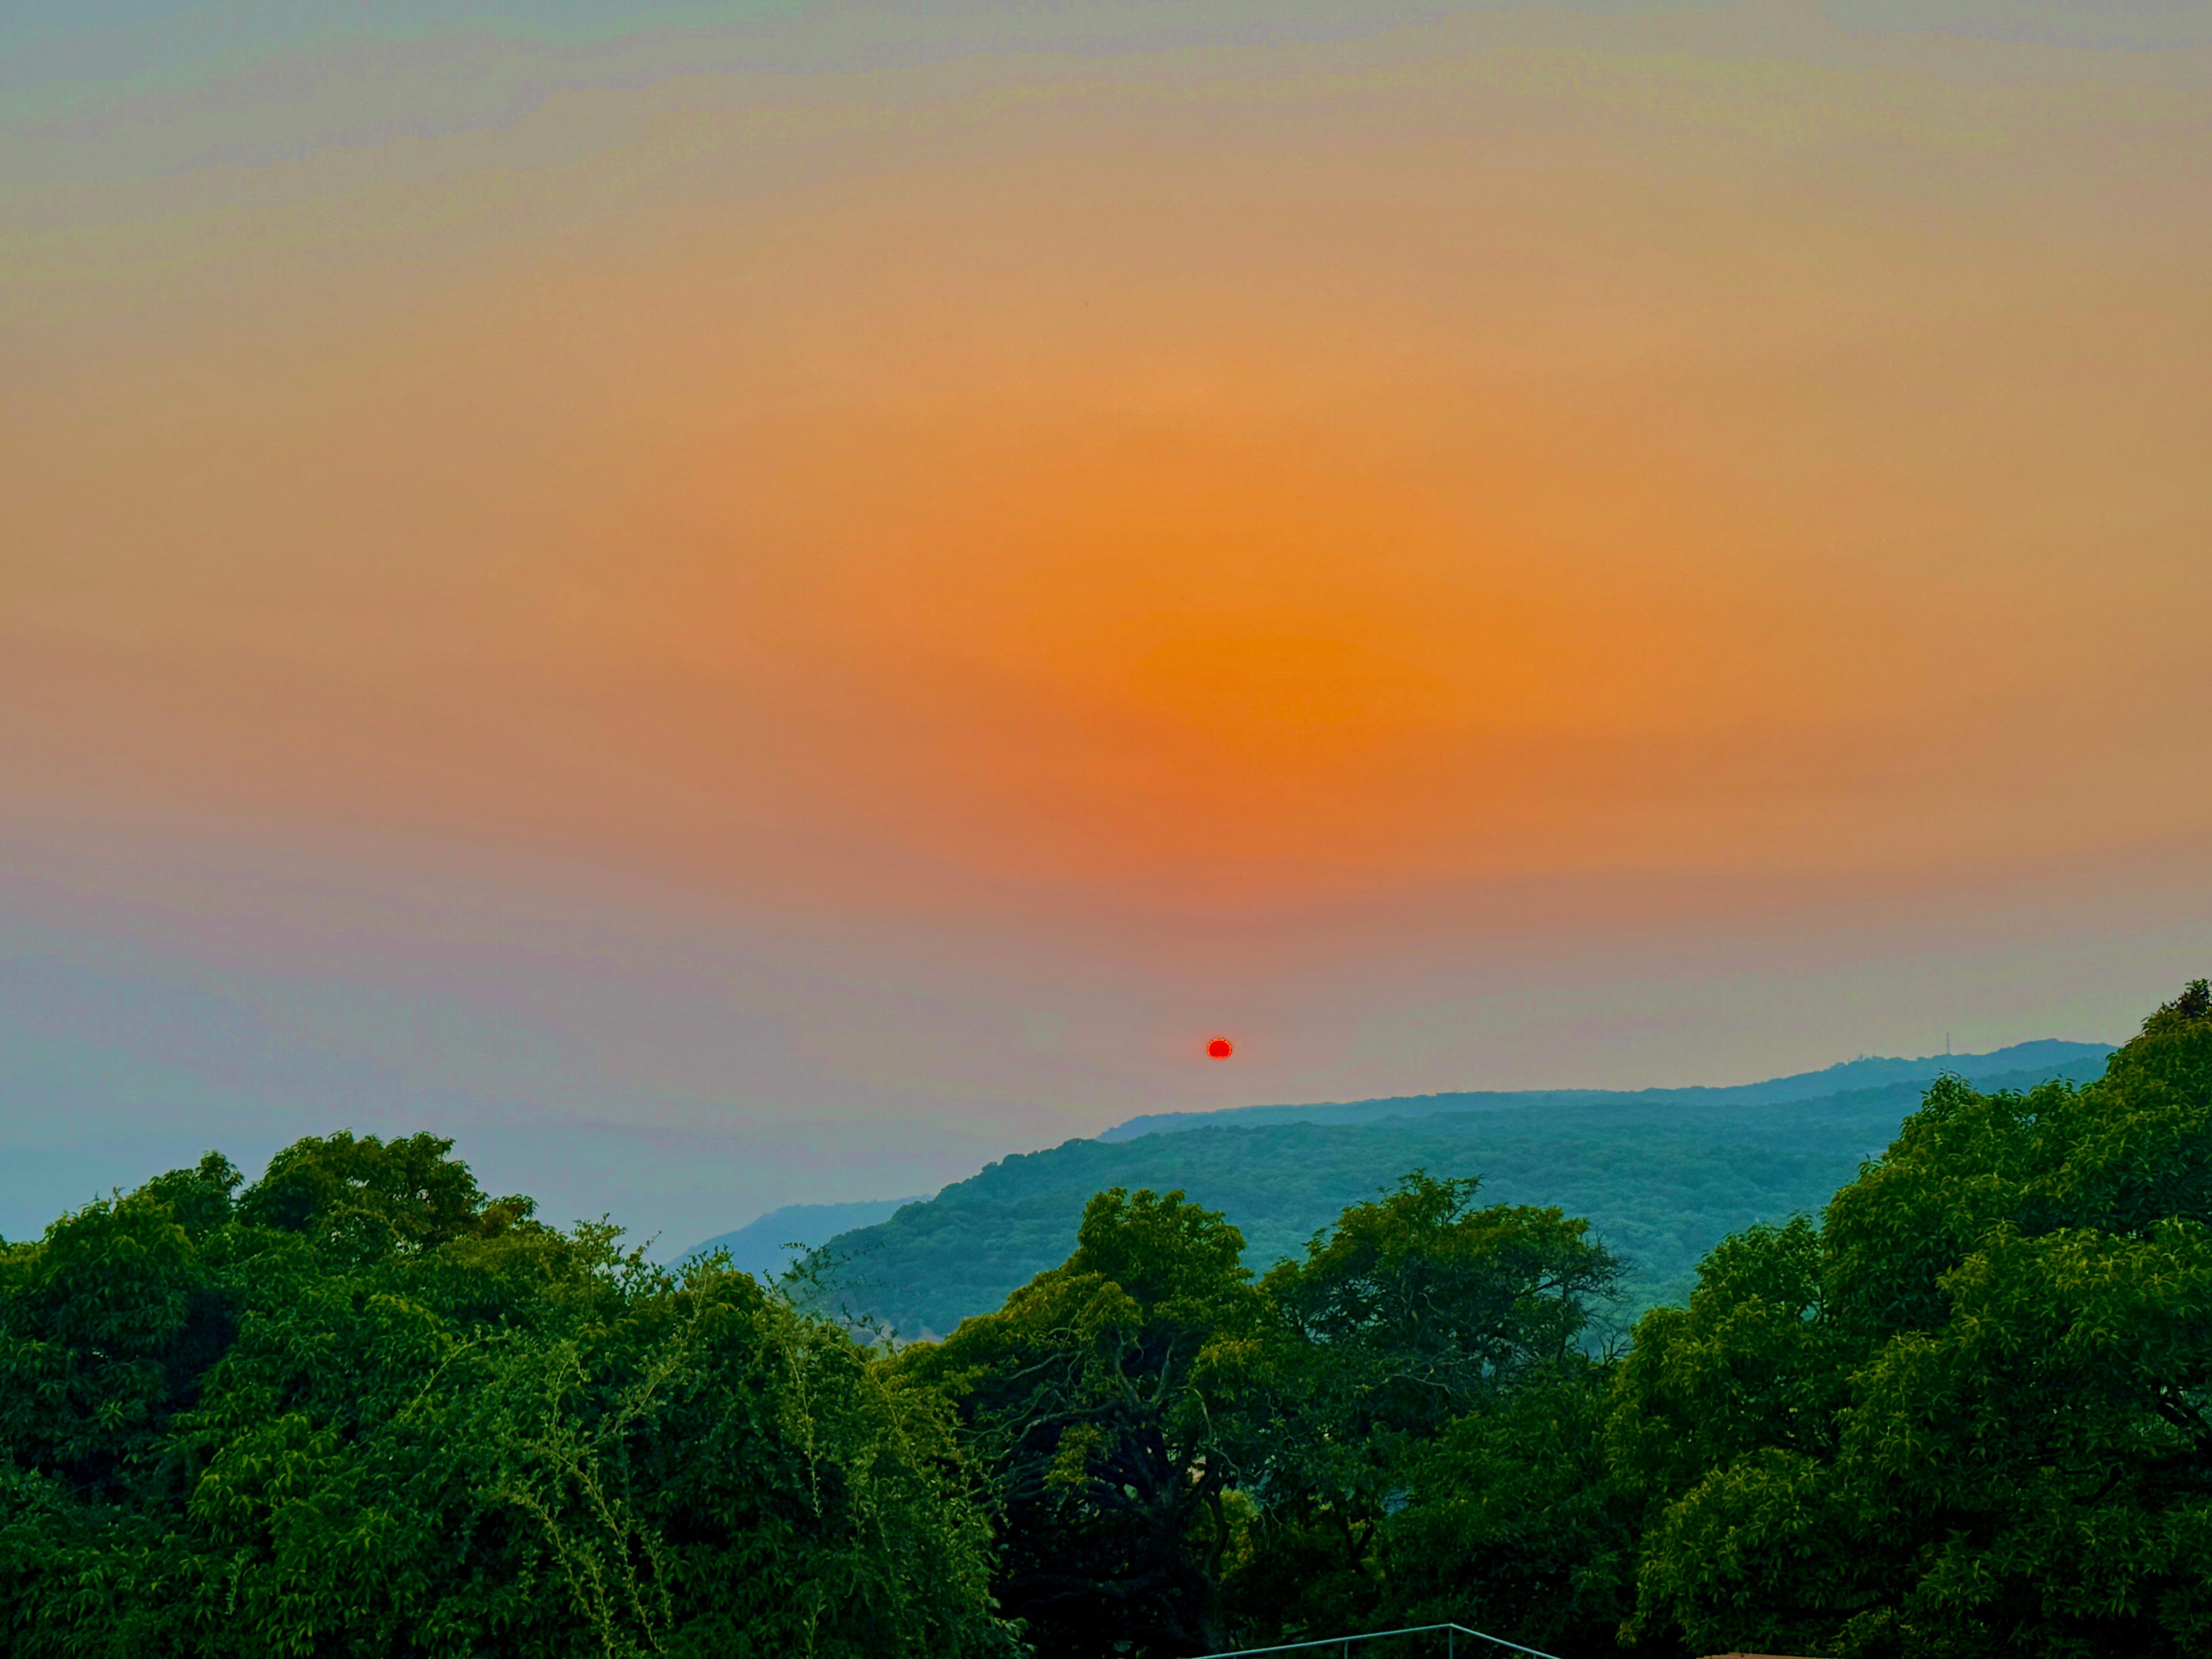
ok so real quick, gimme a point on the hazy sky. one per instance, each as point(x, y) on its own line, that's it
point(754, 603)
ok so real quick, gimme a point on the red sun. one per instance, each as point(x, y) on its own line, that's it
point(1219, 1048)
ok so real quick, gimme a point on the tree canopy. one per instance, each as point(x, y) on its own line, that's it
point(1104, 1399)
point(358, 1407)
point(1660, 1178)
point(361, 1409)
point(1971, 1414)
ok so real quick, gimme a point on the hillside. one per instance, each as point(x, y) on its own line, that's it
point(1661, 1180)
point(2047, 1057)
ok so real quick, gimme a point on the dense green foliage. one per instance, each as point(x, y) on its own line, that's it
point(358, 1408)
point(1104, 1398)
point(1972, 1414)
point(1180, 1455)
point(361, 1411)
point(1661, 1182)
point(1402, 1339)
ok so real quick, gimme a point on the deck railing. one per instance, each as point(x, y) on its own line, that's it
point(1343, 1644)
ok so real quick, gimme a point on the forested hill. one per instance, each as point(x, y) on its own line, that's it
point(1660, 1179)
point(2047, 1058)
point(359, 1406)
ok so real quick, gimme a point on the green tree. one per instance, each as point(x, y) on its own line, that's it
point(1510, 1522)
point(1417, 1309)
point(106, 1328)
point(364, 1410)
point(1103, 1398)
point(1735, 1399)
point(380, 1197)
point(1974, 1414)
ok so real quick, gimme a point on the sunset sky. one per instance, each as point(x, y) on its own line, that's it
point(747, 604)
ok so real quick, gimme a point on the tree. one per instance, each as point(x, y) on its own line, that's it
point(1415, 1310)
point(108, 1327)
point(1730, 1407)
point(364, 1410)
point(377, 1196)
point(1103, 1398)
point(1510, 1522)
point(1973, 1416)
point(1418, 1305)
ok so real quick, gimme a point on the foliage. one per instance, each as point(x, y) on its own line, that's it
point(1415, 1311)
point(363, 1411)
point(1103, 1398)
point(1511, 1523)
point(1421, 1306)
point(356, 1408)
point(1660, 1181)
point(1974, 1413)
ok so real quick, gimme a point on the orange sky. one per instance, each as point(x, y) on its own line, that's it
point(1146, 492)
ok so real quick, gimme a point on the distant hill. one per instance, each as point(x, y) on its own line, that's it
point(1662, 1176)
point(762, 1249)
point(2049, 1056)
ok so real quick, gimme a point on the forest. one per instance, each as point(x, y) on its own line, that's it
point(360, 1406)
point(1660, 1177)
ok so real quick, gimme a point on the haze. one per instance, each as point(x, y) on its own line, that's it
point(754, 605)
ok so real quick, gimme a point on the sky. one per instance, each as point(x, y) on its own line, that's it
point(748, 603)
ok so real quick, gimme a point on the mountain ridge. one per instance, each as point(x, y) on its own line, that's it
point(1660, 1180)
point(1868, 1071)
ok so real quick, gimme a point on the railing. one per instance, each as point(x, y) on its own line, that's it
point(1343, 1644)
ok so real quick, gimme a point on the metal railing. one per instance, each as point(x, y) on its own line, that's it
point(1343, 1644)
